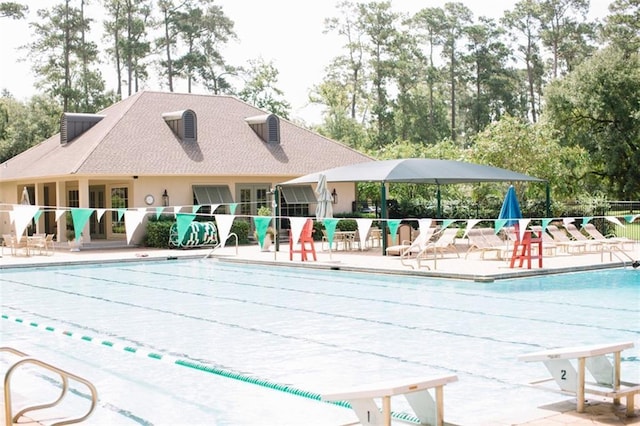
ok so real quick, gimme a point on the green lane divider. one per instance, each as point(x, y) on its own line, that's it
point(203, 367)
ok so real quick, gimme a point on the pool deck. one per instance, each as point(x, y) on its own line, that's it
point(597, 411)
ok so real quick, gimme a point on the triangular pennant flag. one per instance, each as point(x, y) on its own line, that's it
point(631, 218)
point(393, 227)
point(184, 223)
point(424, 225)
point(615, 220)
point(100, 213)
point(447, 222)
point(297, 223)
point(37, 215)
point(363, 229)
point(224, 222)
point(59, 213)
point(568, 220)
point(159, 211)
point(121, 213)
point(233, 207)
point(545, 223)
point(194, 209)
point(470, 224)
point(213, 208)
point(22, 215)
point(498, 225)
point(80, 218)
point(585, 220)
point(330, 227)
point(523, 223)
point(133, 219)
point(176, 210)
point(262, 224)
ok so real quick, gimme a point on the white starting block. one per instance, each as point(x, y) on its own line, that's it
point(593, 359)
point(428, 410)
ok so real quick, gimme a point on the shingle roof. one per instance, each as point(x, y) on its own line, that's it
point(133, 139)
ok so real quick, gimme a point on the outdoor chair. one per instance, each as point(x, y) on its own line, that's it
point(15, 245)
point(409, 248)
point(549, 245)
point(445, 243)
point(592, 244)
point(593, 232)
point(564, 242)
point(478, 243)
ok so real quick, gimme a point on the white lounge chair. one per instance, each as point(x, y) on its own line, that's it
point(593, 232)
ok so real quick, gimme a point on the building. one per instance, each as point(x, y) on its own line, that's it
point(154, 149)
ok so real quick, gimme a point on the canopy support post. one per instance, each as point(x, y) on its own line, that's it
point(383, 216)
point(439, 208)
point(276, 212)
point(548, 193)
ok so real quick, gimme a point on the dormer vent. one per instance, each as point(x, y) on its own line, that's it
point(183, 123)
point(73, 125)
point(266, 126)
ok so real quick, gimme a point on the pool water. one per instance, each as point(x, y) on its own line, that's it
point(245, 331)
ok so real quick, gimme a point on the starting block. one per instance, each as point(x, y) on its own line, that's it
point(430, 411)
point(571, 376)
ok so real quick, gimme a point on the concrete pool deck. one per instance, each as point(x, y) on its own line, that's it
point(597, 412)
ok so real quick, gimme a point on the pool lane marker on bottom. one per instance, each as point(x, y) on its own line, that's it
point(200, 367)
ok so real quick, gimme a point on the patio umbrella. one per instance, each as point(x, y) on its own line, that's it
point(25, 197)
point(510, 208)
point(324, 207)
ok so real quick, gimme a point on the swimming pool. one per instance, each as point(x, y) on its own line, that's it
point(273, 327)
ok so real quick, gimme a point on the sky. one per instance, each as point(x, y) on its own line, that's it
point(287, 32)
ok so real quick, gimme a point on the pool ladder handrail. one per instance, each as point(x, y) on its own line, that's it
point(10, 419)
point(616, 251)
point(233, 234)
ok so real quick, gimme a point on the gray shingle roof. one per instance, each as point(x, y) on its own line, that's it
point(133, 139)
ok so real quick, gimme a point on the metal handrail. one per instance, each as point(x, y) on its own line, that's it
point(10, 419)
point(233, 234)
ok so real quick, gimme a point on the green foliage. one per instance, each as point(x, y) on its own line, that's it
point(158, 231)
point(241, 229)
point(596, 108)
point(260, 89)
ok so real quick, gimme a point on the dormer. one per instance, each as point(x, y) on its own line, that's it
point(183, 123)
point(73, 125)
point(267, 126)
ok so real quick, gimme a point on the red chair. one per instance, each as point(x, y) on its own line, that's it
point(306, 237)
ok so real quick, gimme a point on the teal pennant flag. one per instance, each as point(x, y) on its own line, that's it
point(80, 217)
point(184, 223)
point(262, 224)
point(330, 228)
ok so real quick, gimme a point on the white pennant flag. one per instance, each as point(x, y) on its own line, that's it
point(133, 219)
point(100, 213)
point(297, 223)
point(224, 222)
point(22, 215)
point(59, 213)
point(364, 225)
point(567, 221)
point(470, 224)
point(523, 223)
point(615, 220)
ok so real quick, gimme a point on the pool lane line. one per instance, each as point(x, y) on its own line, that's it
point(343, 296)
point(198, 366)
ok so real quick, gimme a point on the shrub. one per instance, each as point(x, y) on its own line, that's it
point(158, 231)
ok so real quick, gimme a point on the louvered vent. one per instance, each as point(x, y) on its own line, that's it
point(266, 126)
point(183, 123)
point(73, 125)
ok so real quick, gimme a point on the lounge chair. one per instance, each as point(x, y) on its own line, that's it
point(592, 244)
point(444, 243)
point(549, 245)
point(478, 243)
point(564, 242)
point(409, 248)
point(593, 232)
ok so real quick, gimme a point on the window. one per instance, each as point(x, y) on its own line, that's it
point(119, 200)
point(74, 198)
point(299, 194)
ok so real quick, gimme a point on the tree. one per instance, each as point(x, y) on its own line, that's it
point(622, 26)
point(64, 62)
point(127, 30)
point(457, 17)
point(22, 125)
point(9, 9)
point(523, 25)
point(260, 89)
point(596, 107)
